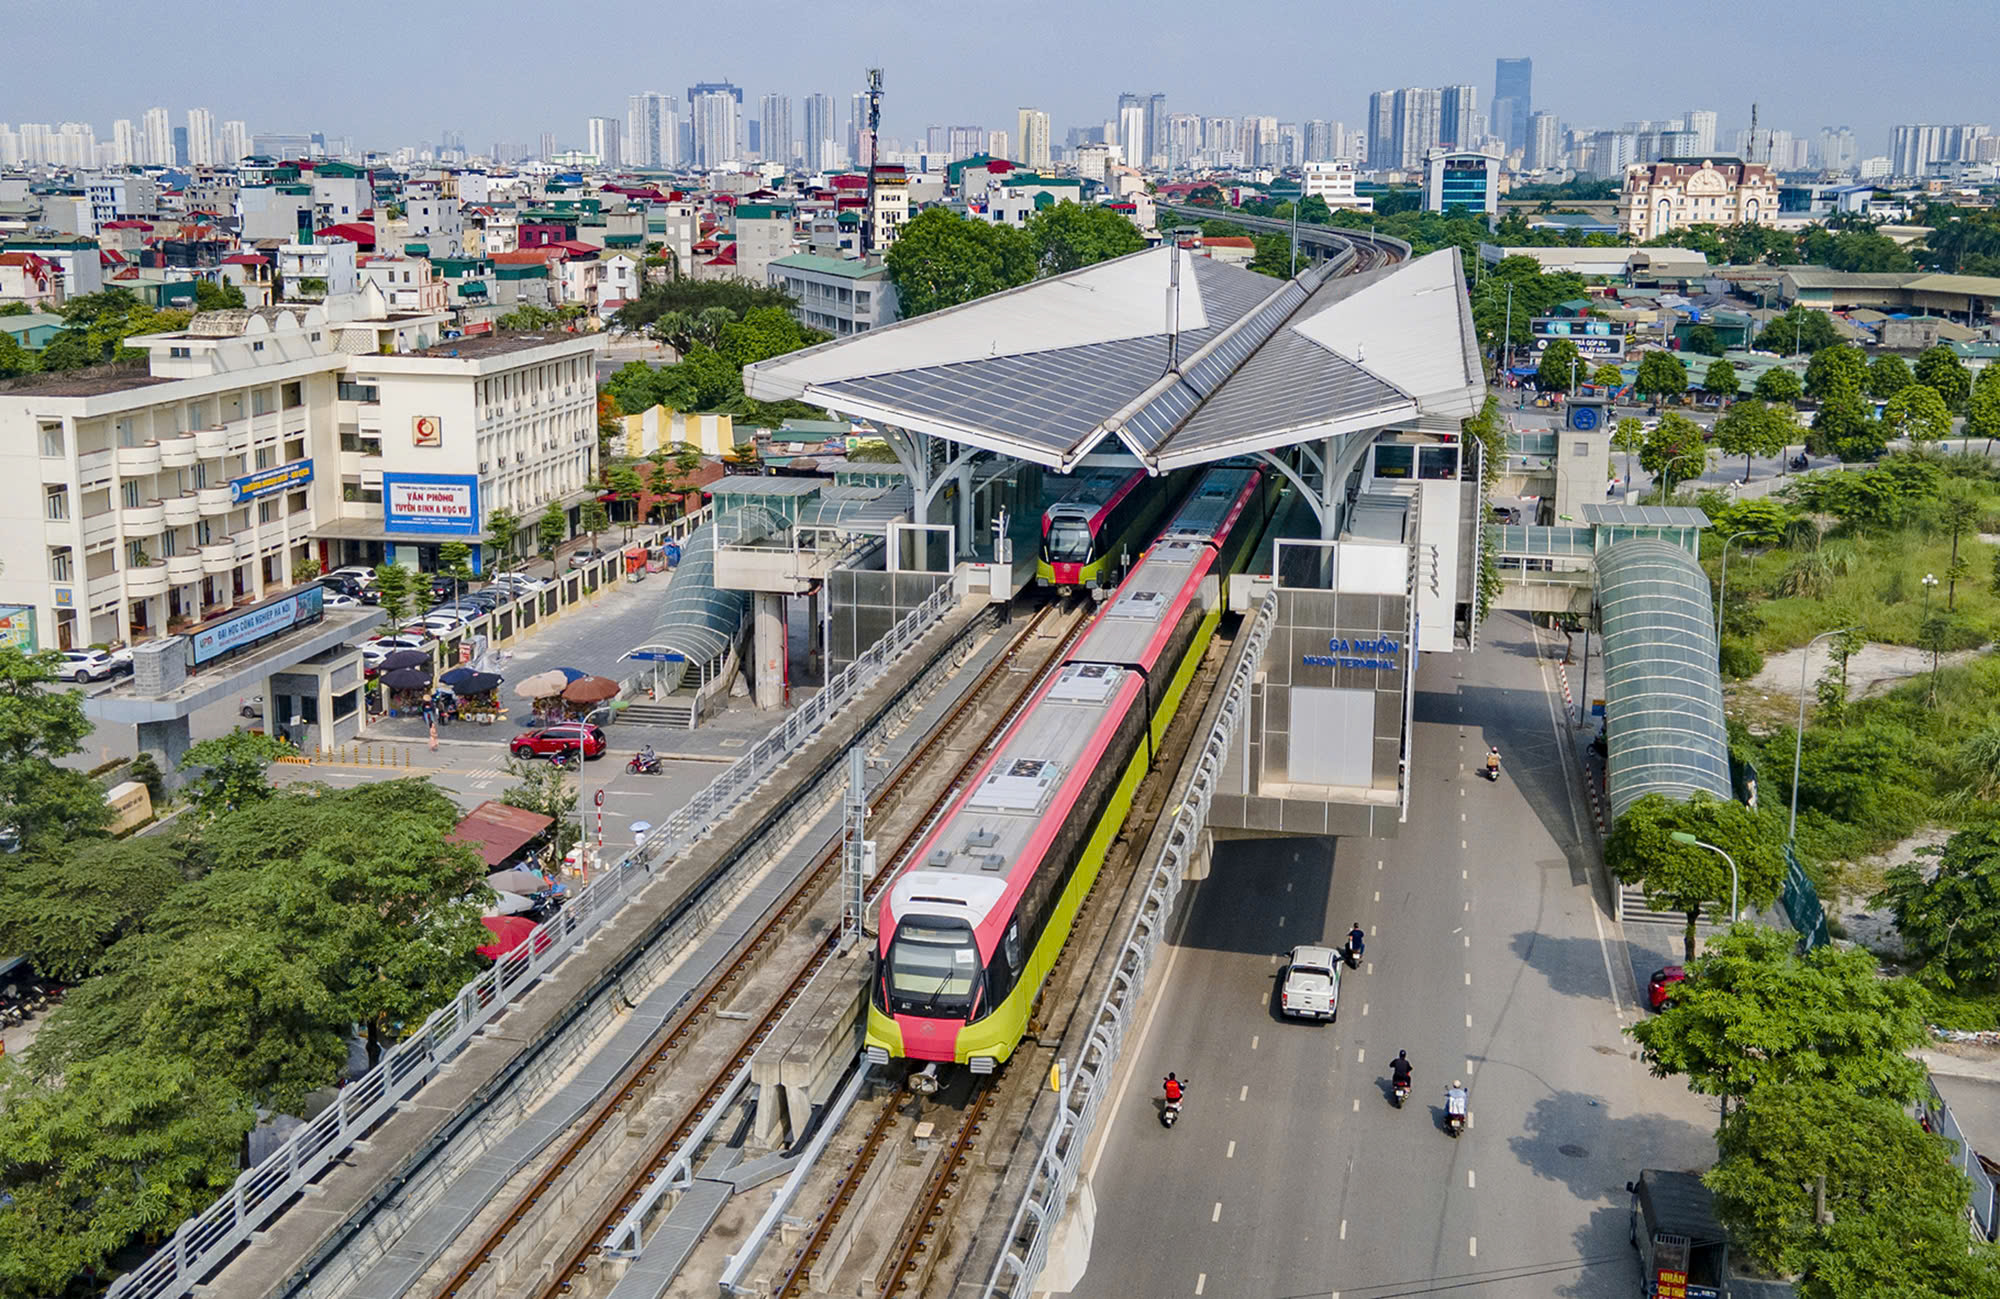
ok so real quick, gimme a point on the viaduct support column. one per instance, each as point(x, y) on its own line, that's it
point(769, 633)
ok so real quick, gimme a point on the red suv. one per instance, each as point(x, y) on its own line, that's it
point(562, 738)
point(1660, 988)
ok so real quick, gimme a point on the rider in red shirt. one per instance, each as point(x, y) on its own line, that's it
point(1173, 1087)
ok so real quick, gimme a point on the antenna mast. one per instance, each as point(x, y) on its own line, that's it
point(867, 143)
point(1752, 150)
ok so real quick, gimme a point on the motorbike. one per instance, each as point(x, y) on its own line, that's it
point(563, 761)
point(1493, 769)
point(1800, 462)
point(1454, 1118)
point(1399, 1093)
point(644, 764)
point(1170, 1112)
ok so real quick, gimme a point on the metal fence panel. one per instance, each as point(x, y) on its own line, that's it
point(205, 1241)
point(1087, 1079)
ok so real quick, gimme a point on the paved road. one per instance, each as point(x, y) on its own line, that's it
point(1289, 1174)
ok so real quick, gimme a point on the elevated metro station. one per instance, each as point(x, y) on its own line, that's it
point(1349, 387)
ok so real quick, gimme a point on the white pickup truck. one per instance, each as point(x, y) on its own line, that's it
point(1311, 987)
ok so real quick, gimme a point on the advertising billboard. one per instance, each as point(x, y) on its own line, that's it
point(240, 630)
point(17, 627)
point(266, 482)
point(441, 503)
point(1592, 337)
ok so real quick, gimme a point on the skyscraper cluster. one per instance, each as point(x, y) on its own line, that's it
point(153, 141)
point(1405, 124)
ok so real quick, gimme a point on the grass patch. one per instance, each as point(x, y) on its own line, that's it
point(1969, 1010)
point(1875, 583)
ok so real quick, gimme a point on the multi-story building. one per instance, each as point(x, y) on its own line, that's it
point(121, 196)
point(201, 138)
point(764, 233)
point(652, 130)
point(1015, 196)
point(1134, 121)
point(235, 145)
point(1513, 100)
point(1032, 131)
point(603, 141)
point(1418, 115)
point(434, 441)
point(1457, 180)
point(169, 494)
point(407, 284)
point(1913, 148)
point(158, 137)
point(312, 272)
point(819, 146)
point(125, 145)
point(1701, 121)
point(1544, 147)
point(1662, 197)
point(891, 208)
point(432, 215)
point(715, 114)
point(776, 141)
point(1333, 183)
point(1458, 117)
point(837, 295)
point(77, 258)
point(30, 279)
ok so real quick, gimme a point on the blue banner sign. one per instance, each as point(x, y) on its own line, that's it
point(242, 630)
point(266, 482)
point(1361, 652)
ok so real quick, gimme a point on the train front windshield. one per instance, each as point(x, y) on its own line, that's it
point(933, 968)
point(1069, 541)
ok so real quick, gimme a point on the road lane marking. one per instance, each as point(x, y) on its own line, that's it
point(1138, 1044)
point(1253, 1041)
point(1604, 950)
point(1378, 895)
point(1232, 1151)
point(1468, 978)
point(1281, 922)
point(1371, 967)
point(1357, 1104)
point(1468, 940)
point(1244, 1095)
point(1465, 875)
point(1364, 1008)
point(1462, 847)
point(1473, 1246)
point(1470, 1183)
point(1468, 1068)
point(1468, 1021)
point(1201, 1283)
point(1288, 886)
point(1215, 1215)
point(1343, 1229)
point(1361, 1055)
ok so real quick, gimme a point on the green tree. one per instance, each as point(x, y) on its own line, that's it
point(1918, 414)
point(393, 583)
point(1702, 340)
point(1068, 235)
point(676, 329)
point(1940, 370)
point(1837, 371)
point(551, 528)
point(1752, 1013)
point(1791, 1141)
point(1804, 330)
point(209, 296)
point(16, 360)
point(1673, 450)
point(1607, 376)
point(622, 481)
point(1720, 378)
point(1661, 375)
point(1887, 376)
point(1684, 877)
point(942, 259)
point(543, 788)
point(1753, 428)
point(504, 527)
point(709, 323)
point(122, 1145)
point(455, 560)
point(40, 724)
point(1559, 365)
point(1982, 407)
point(62, 910)
point(593, 519)
point(1629, 436)
point(1950, 919)
point(1778, 384)
point(305, 570)
point(1841, 426)
point(227, 772)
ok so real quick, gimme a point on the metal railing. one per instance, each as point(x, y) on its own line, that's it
point(206, 1240)
point(1087, 1079)
point(1985, 1201)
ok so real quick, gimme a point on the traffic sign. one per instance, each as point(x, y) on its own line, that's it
point(657, 656)
point(600, 798)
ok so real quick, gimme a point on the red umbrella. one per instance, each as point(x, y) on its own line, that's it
point(509, 932)
point(590, 690)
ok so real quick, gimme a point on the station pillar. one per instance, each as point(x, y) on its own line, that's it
point(768, 680)
point(166, 741)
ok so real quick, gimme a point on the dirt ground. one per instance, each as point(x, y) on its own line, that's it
point(1870, 926)
point(1872, 669)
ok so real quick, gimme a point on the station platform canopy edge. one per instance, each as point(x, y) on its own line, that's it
point(1048, 371)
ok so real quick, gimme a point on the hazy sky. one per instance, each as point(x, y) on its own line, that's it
point(391, 74)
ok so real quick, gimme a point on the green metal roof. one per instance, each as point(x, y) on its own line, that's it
point(1662, 686)
point(846, 267)
point(762, 212)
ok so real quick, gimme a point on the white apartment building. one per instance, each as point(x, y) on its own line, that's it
point(115, 196)
point(434, 441)
point(406, 283)
point(328, 270)
point(1333, 182)
point(144, 500)
point(432, 216)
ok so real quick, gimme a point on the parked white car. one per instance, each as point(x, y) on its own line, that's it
point(359, 572)
point(335, 600)
point(93, 665)
point(523, 582)
point(374, 651)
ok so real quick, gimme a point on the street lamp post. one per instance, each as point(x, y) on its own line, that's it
point(1929, 633)
point(1682, 836)
point(1799, 736)
point(1722, 596)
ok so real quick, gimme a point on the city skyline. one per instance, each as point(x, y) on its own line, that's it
point(926, 82)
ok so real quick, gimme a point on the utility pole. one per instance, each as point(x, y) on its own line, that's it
point(874, 134)
point(857, 853)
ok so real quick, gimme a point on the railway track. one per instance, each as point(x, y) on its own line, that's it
point(917, 1250)
point(604, 1122)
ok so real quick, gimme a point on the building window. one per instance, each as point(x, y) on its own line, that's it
point(56, 502)
point(53, 442)
point(62, 566)
point(292, 395)
point(179, 352)
point(202, 532)
point(295, 449)
point(257, 347)
point(267, 511)
point(295, 503)
point(128, 492)
point(362, 391)
point(135, 554)
point(263, 457)
point(355, 493)
point(260, 400)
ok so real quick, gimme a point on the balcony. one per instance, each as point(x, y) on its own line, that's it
point(93, 469)
point(213, 500)
point(100, 529)
point(178, 452)
point(298, 526)
point(139, 460)
point(179, 511)
point(110, 587)
point(211, 443)
point(143, 520)
point(218, 559)
point(146, 579)
point(59, 532)
point(183, 569)
point(245, 545)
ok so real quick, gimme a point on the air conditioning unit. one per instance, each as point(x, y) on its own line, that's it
point(484, 466)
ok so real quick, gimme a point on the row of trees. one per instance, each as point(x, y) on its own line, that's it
point(1823, 1174)
point(224, 966)
point(714, 347)
point(941, 259)
point(96, 325)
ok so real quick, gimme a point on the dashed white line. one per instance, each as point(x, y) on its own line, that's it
point(1244, 1094)
point(1232, 1151)
point(1470, 1182)
point(1343, 1229)
point(1361, 1055)
point(1378, 895)
point(1253, 1036)
point(1465, 875)
point(1468, 940)
point(1468, 1068)
point(1215, 1215)
point(1468, 1021)
point(1473, 1246)
point(1468, 978)
point(1357, 1104)
point(1281, 922)
point(1371, 967)
point(1364, 1008)
point(1201, 1283)
point(1468, 904)
point(1461, 845)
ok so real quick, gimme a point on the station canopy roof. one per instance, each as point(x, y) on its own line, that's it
point(1047, 371)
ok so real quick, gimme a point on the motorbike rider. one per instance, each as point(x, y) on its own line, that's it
point(1493, 760)
point(646, 756)
point(1174, 1090)
point(1355, 940)
point(1455, 1099)
point(1400, 1070)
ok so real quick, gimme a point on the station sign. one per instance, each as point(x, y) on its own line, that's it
point(1367, 653)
